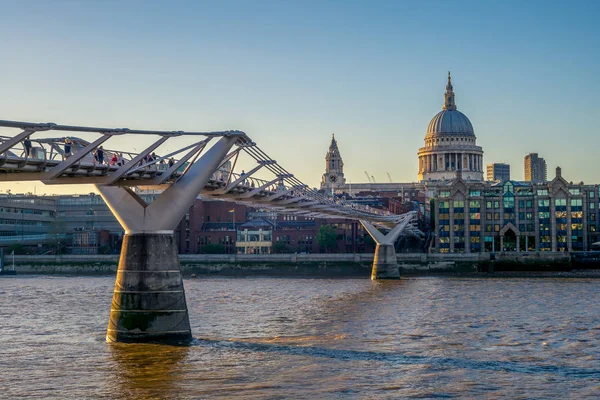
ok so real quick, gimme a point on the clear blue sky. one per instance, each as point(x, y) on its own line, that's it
point(291, 73)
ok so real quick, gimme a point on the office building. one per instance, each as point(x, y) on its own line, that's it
point(515, 216)
point(535, 168)
point(498, 172)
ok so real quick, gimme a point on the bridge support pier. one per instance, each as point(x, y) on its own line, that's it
point(385, 264)
point(149, 300)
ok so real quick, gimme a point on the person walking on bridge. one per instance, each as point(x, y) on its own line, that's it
point(27, 145)
point(100, 155)
point(67, 148)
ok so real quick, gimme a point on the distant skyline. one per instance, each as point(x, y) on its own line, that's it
point(292, 73)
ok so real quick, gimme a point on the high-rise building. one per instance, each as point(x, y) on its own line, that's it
point(334, 167)
point(498, 172)
point(450, 145)
point(535, 168)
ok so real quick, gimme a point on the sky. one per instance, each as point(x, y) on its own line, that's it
point(291, 73)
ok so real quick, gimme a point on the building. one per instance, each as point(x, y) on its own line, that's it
point(450, 145)
point(25, 216)
point(498, 172)
point(535, 168)
point(334, 168)
point(515, 216)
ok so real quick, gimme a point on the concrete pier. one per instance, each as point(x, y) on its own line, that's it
point(149, 300)
point(385, 263)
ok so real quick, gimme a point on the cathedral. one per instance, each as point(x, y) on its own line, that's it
point(450, 145)
point(450, 150)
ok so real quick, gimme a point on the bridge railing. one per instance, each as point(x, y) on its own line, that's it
point(71, 159)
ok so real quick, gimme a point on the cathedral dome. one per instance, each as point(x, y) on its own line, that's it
point(450, 122)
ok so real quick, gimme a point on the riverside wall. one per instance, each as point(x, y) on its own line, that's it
point(310, 264)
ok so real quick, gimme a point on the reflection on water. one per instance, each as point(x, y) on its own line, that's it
point(147, 370)
point(310, 338)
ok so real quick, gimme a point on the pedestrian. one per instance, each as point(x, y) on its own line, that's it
point(27, 145)
point(171, 162)
point(114, 159)
point(100, 155)
point(67, 148)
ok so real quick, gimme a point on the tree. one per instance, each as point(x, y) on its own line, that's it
point(280, 248)
point(213, 249)
point(327, 237)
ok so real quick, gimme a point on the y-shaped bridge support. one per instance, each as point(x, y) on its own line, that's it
point(149, 300)
point(385, 265)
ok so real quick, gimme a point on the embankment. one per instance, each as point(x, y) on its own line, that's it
point(317, 264)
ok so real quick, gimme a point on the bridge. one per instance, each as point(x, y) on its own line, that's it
point(149, 299)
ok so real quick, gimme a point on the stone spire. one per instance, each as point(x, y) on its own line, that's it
point(333, 152)
point(449, 96)
point(334, 167)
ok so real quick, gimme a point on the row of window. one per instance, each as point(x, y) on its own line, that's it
point(509, 189)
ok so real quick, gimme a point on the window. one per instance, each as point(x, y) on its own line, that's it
point(474, 204)
point(576, 202)
point(592, 205)
point(475, 193)
point(575, 191)
point(544, 203)
point(560, 202)
point(542, 192)
point(591, 195)
point(444, 194)
point(529, 203)
point(459, 203)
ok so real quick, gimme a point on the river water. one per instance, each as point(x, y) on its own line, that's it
point(291, 338)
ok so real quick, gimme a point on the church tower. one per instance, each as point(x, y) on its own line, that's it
point(334, 167)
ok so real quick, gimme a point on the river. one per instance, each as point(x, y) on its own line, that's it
point(293, 338)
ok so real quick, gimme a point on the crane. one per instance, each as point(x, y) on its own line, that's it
point(372, 177)
point(368, 177)
point(389, 176)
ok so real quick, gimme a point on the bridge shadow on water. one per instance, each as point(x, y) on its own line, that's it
point(398, 358)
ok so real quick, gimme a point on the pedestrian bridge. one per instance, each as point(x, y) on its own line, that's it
point(149, 300)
